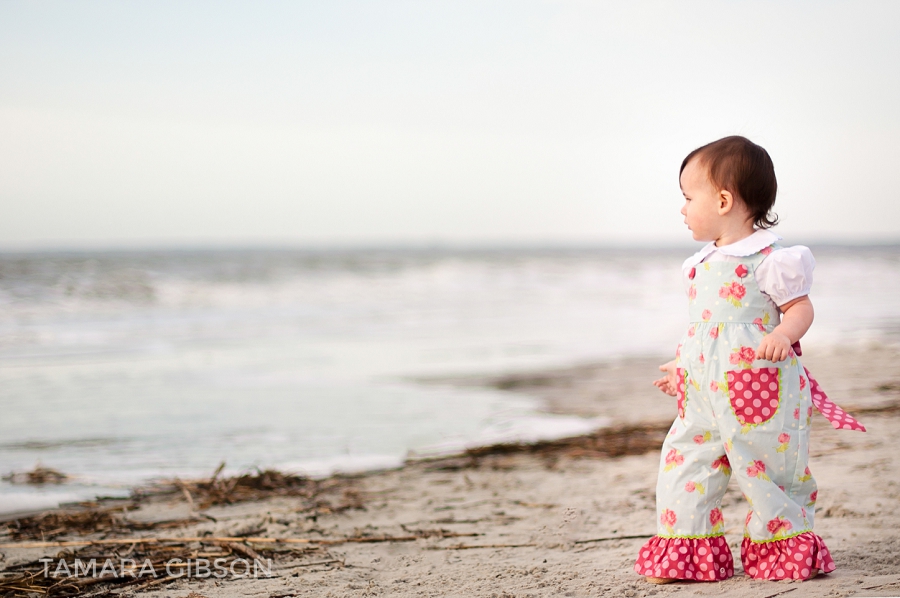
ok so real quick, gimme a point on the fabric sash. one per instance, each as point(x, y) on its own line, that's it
point(840, 419)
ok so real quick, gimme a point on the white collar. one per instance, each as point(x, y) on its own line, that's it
point(759, 240)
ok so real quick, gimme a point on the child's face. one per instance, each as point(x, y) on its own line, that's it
point(701, 203)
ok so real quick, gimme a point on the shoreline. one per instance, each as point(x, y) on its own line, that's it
point(561, 517)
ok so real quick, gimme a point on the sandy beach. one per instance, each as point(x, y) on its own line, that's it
point(561, 519)
point(367, 299)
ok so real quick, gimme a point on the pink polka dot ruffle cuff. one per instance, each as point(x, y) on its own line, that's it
point(700, 559)
point(792, 558)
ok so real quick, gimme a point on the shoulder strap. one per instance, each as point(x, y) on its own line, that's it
point(756, 259)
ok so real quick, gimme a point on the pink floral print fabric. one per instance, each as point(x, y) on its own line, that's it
point(748, 418)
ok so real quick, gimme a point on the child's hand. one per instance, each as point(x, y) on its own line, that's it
point(796, 319)
point(774, 347)
point(669, 382)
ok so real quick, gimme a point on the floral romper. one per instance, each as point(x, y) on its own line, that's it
point(743, 415)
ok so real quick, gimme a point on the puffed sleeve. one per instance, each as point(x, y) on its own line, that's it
point(786, 274)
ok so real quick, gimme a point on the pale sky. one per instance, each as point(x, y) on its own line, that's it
point(184, 123)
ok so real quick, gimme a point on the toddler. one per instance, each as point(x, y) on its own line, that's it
point(744, 400)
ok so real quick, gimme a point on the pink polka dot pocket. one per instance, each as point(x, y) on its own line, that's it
point(754, 394)
point(680, 389)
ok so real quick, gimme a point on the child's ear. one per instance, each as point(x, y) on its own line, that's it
point(726, 202)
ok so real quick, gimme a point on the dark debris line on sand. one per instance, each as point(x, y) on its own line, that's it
point(95, 530)
point(103, 529)
point(606, 442)
point(100, 530)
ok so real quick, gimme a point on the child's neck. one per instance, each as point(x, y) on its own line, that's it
point(734, 233)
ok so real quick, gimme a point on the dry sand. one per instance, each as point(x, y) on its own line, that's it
point(547, 522)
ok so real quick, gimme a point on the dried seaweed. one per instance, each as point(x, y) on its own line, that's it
point(231, 541)
point(101, 518)
point(104, 529)
point(38, 476)
point(259, 485)
point(129, 570)
point(58, 580)
point(604, 443)
point(88, 518)
point(888, 408)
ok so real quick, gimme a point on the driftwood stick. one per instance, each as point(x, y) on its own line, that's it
point(314, 564)
point(216, 473)
point(152, 582)
point(186, 493)
point(155, 540)
point(209, 540)
point(470, 546)
point(241, 549)
point(635, 537)
point(371, 539)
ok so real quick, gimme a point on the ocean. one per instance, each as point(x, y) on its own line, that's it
point(121, 367)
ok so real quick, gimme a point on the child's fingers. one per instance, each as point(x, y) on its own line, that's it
point(761, 350)
point(663, 385)
point(771, 351)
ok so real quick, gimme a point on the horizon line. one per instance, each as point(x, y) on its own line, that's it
point(410, 245)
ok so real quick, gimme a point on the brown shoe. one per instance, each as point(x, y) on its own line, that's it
point(660, 580)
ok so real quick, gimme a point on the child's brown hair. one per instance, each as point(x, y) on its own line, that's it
point(745, 169)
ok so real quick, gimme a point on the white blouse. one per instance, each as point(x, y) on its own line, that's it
point(784, 275)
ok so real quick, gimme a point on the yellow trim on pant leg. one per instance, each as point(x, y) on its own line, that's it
point(794, 535)
point(677, 537)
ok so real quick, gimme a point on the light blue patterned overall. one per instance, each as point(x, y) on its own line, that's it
point(741, 415)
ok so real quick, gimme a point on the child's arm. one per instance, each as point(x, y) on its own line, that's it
point(667, 383)
point(796, 319)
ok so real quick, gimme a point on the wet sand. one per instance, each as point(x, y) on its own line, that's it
point(564, 519)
